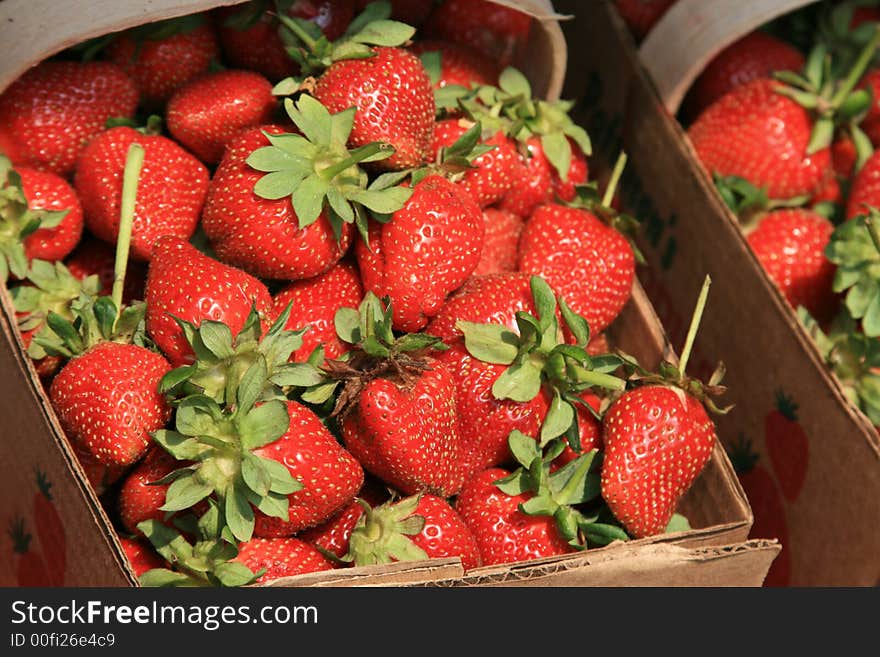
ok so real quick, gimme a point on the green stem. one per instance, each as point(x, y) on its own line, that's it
point(872, 228)
point(355, 156)
point(616, 173)
point(577, 479)
point(300, 33)
point(600, 380)
point(857, 71)
point(134, 162)
point(695, 325)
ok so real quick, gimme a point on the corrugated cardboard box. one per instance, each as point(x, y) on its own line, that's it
point(713, 553)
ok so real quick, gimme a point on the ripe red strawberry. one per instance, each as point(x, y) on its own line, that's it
point(756, 55)
point(865, 188)
point(459, 64)
point(139, 500)
point(141, 556)
point(394, 100)
point(10, 148)
point(259, 235)
point(55, 108)
point(411, 12)
point(501, 243)
point(170, 194)
point(790, 245)
point(641, 15)
point(499, 33)
point(588, 263)
point(333, 534)
point(770, 149)
point(491, 299)
point(47, 191)
point(589, 431)
point(163, 57)
point(207, 112)
point(184, 283)
point(315, 302)
point(787, 446)
point(50, 530)
point(108, 402)
point(496, 171)
point(250, 40)
point(657, 441)
point(281, 557)
point(95, 257)
point(415, 528)
point(408, 436)
point(505, 534)
point(427, 250)
point(330, 476)
point(871, 123)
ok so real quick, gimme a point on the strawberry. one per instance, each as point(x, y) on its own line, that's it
point(501, 242)
point(504, 533)
point(871, 123)
point(589, 431)
point(50, 530)
point(787, 446)
point(281, 557)
point(204, 114)
point(415, 528)
point(790, 245)
point(755, 55)
point(315, 302)
point(497, 32)
point(864, 191)
point(10, 149)
point(139, 497)
point(411, 12)
point(394, 100)
point(161, 57)
point(141, 557)
point(94, 257)
point(590, 264)
point(184, 284)
point(40, 218)
point(54, 109)
point(332, 536)
point(641, 15)
point(171, 190)
point(427, 250)
point(450, 63)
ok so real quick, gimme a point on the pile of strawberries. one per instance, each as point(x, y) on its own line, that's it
point(343, 303)
point(789, 132)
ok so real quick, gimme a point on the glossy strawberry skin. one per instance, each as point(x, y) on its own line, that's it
point(45, 190)
point(170, 193)
point(427, 250)
point(409, 438)
point(871, 123)
point(281, 557)
point(141, 556)
point(762, 136)
point(314, 303)
point(459, 64)
point(445, 533)
point(755, 55)
point(55, 108)
point(587, 263)
point(501, 242)
point(184, 283)
point(394, 100)
point(107, 401)
point(334, 534)
point(865, 189)
point(206, 113)
point(504, 533)
point(331, 477)
point(499, 33)
point(495, 171)
point(655, 447)
point(790, 245)
point(138, 500)
point(159, 67)
point(263, 236)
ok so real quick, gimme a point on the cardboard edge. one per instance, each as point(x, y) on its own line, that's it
point(394, 574)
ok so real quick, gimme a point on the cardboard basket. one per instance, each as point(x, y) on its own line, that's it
point(712, 553)
point(687, 232)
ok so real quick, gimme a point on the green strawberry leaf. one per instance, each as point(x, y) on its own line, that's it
point(559, 418)
point(263, 425)
point(239, 514)
point(525, 449)
point(386, 33)
point(490, 343)
point(678, 523)
point(520, 382)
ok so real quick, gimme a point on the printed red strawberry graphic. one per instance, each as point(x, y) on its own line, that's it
point(54, 109)
point(171, 190)
point(411, 529)
point(163, 56)
point(204, 114)
point(50, 530)
point(787, 446)
point(30, 568)
point(281, 557)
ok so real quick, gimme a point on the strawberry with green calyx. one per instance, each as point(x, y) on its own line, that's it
point(140, 555)
point(281, 557)
point(658, 437)
point(449, 63)
point(419, 527)
point(539, 359)
point(855, 248)
point(501, 242)
point(46, 226)
point(318, 172)
point(853, 357)
point(747, 201)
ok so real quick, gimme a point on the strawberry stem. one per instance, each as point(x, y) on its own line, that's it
point(300, 33)
point(695, 325)
point(872, 229)
point(616, 173)
point(356, 156)
point(857, 71)
point(134, 161)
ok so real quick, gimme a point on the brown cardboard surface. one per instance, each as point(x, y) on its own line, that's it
point(716, 505)
point(687, 233)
